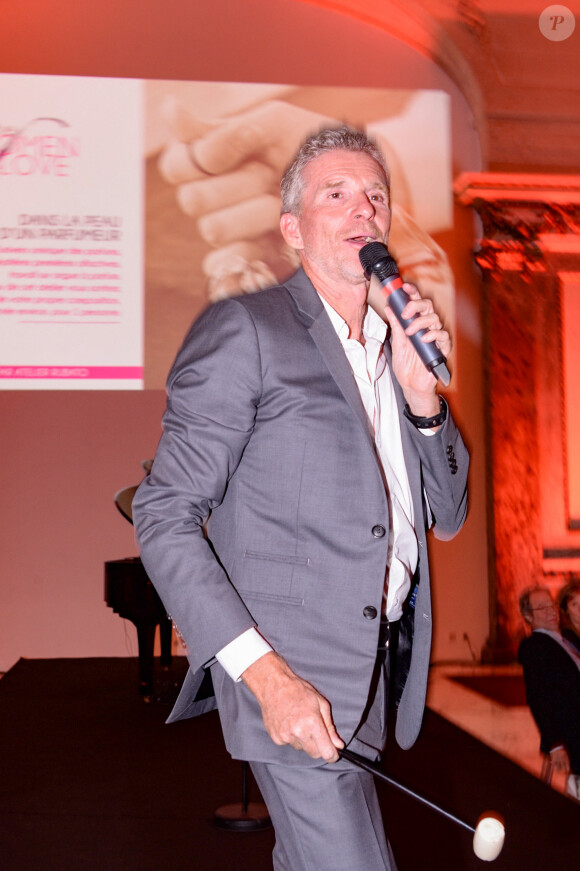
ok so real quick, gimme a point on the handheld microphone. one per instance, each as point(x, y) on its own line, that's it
point(376, 260)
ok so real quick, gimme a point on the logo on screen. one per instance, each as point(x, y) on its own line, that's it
point(43, 146)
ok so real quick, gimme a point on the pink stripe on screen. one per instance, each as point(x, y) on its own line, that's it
point(73, 372)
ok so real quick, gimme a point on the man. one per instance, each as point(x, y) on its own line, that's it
point(552, 677)
point(285, 423)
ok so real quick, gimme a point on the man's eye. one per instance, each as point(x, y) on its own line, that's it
point(335, 195)
point(378, 197)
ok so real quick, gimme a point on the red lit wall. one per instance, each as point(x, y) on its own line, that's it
point(64, 455)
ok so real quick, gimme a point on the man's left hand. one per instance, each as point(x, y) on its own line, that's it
point(418, 384)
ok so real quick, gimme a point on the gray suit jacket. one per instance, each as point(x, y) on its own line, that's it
point(265, 431)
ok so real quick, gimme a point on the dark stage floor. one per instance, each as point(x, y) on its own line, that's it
point(92, 780)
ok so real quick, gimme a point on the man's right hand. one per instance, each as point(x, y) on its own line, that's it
point(294, 712)
point(559, 759)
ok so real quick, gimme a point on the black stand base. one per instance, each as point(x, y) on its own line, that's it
point(236, 817)
point(243, 816)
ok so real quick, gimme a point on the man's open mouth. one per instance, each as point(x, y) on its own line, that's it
point(361, 240)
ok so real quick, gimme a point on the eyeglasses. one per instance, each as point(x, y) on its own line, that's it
point(551, 607)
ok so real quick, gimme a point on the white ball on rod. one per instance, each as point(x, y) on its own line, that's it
point(488, 838)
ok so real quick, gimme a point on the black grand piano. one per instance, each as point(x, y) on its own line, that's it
point(130, 593)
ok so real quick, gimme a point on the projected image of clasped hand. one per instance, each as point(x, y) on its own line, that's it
point(226, 175)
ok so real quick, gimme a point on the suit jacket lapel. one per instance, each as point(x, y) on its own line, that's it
point(316, 320)
point(323, 333)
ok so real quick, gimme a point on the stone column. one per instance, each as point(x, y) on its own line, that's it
point(530, 238)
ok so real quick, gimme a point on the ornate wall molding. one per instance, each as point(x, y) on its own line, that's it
point(520, 215)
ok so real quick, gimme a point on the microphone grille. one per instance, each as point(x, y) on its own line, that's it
point(375, 257)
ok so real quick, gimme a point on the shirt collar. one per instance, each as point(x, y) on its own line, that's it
point(374, 326)
point(555, 635)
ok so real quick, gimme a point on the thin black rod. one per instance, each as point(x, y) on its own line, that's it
point(368, 766)
point(244, 787)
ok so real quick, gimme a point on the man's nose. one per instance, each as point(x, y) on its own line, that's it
point(363, 207)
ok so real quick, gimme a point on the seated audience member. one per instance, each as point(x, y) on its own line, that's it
point(569, 600)
point(552, 677)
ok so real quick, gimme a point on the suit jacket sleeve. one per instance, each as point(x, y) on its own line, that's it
point(444, 463)
point(213, 391)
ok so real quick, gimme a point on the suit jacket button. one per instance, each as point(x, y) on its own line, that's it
point(370, 612)
point(378, 531)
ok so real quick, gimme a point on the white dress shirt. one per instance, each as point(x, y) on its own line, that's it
point(373, 379)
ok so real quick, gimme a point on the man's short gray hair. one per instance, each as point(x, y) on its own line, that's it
point(525, 607)
point(329, 139)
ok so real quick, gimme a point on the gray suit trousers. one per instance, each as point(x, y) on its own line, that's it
point(328, 818)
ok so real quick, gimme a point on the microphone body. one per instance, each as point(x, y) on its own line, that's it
point(376, 260)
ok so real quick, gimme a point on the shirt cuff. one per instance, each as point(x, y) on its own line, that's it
point(242, 652)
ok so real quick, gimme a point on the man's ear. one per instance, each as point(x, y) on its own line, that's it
point(289, 227)
point(527, 618)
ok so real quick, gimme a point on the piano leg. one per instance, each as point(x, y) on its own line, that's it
point(146, 641)
point(165, 632)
